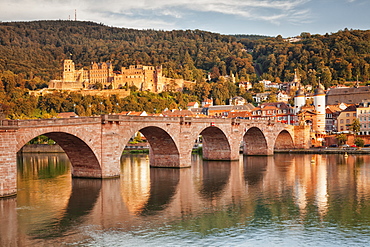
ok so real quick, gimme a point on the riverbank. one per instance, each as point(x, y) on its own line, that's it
point(326, 151)
point(44, 148)
point(41, 148)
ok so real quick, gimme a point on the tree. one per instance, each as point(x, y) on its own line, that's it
point(258, 87)
point(342, 138)
point(356, 126)
point(271, 98)
point(359, 142)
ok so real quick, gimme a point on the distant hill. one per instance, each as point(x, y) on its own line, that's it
point(38, 48)
point(250, 36)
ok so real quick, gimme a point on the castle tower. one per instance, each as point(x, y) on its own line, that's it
point(68, 70)
point(319, 102)
point(299, 100)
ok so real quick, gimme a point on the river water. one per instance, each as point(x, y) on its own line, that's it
point(282, 200)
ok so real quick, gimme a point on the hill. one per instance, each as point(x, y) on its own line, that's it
point(37, 49)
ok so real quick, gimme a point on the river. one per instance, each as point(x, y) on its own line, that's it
point(280, 200)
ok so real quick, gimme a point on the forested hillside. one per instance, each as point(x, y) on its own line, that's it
point(31, 53)
point(37, 49)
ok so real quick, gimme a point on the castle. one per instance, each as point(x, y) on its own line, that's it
point(102, 76)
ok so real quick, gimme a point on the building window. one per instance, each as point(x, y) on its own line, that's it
point(341, 121)
point(347, 114)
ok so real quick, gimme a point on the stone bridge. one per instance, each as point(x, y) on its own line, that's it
point(94, 145)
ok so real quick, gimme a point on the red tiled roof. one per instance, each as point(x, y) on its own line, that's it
point(178, 113)
point(67, 114)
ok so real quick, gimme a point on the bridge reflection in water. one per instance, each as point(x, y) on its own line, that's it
point(212, 196)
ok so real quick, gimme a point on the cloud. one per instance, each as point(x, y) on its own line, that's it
point(157, 14)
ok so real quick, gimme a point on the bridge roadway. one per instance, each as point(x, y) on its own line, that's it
point(94, 145)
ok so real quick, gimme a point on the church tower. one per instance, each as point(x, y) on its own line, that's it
point(319, 102)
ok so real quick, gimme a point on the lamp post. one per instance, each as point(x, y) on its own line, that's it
point(74, 108)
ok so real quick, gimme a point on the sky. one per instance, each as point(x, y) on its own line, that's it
point(287, 18)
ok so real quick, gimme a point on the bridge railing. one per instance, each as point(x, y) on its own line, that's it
point(58, 121)
point(117, 118)
point(8, 124)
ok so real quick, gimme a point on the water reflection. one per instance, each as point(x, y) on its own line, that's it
point(254, 169)
point(215, 177)
point(285, 199)
point(163, 183)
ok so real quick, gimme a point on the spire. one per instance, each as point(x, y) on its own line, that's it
point(296, 77)
point(320, 89)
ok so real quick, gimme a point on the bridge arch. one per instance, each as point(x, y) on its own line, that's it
point(163, 149)
point(254, 142)
point(216, 145)
point(284, 140)
point(83, 159)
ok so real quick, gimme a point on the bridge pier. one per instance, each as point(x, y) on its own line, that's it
point(8, 163)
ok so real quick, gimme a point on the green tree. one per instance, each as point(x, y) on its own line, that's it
point(258, 87)
point(342, 138)
point(271, 98)
point(356, 126)
point(359, 142)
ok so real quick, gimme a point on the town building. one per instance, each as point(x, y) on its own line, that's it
point(207, 102)
point(268, 84)
point(192, 105)
point(260, 97)
point(346, 118)
point(224, 110)
point(276, 111)
point(353, 95)
point(311, 114)
point(246, 85)
point(363, 115)
point(237, 100)
point(282, 96)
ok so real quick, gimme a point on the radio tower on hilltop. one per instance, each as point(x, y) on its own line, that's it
point(75, 15)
